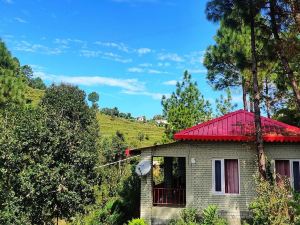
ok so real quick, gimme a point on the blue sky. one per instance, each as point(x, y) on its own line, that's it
point(130, 51)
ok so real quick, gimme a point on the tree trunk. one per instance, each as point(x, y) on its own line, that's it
point(244, 88)
point(281, 54)
point(257, 119)
point(267, 97)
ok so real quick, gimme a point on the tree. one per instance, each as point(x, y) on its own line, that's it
point(37, 83)
point(276, 25)
point(248, 12)
point(12, 82)
point(34, 82)
point(94, 98)
point(228, 62)
point(224, 105)
point(140, 136)
point(186, 107)
point(49, 157)
point(69, 103)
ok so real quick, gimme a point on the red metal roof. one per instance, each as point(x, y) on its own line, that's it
point(239, 126)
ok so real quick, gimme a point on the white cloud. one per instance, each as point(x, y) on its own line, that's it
point(170, 82)
point(154, 95)
point(143, 51)
point(120, 46)
point(195, 57)
point(36, 67)
point(135, 70)
point(145, 65)
point(164, 64)
point(144, 70)
point(151, 71)
point(20, 20)
point(126, 84)
point(171, 57)
point(116, 57)
point(90, 53)
point(36, 48)
point(104, 55)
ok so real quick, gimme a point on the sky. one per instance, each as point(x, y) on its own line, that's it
point(131, 52)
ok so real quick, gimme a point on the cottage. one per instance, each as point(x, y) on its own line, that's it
point(214, 163)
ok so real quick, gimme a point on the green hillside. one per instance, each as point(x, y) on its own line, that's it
point(109, 126)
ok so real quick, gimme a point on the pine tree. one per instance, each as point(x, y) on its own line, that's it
point(186, 107)
point(12, 82)
point(248, 11)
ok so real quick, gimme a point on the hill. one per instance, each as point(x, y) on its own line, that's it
point(109, 125)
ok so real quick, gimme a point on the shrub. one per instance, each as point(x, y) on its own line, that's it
point(211, 217)
point(189, 216)
point(272, 204)
point(137, 222)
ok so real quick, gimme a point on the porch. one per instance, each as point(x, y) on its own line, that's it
point(169, 181)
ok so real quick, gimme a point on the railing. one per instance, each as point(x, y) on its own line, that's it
point(168, 196)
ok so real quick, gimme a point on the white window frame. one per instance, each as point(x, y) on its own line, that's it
point(222, 192)
point(291, 178)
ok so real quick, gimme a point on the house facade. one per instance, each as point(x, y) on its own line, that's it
point(215, 163)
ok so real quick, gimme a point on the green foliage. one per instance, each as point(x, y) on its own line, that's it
point(186, 107)
point(211, 217)
point(224, 105)
point(33, 96)
point(114, 112)
point(69, 103)
point(117, 198)
point(228, 60)
point(189, 216)
point(274, 205)
point(37, 83)
point(94, 98)
point(141, 136)
point(137, 222)
point(33, 82)
point(48, 167)
point(12, 81)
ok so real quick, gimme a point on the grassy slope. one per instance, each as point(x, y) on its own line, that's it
point(109, 125)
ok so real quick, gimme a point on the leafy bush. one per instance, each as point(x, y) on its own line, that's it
point(211, 217)
point(137, 222)
point(273, 204)
point(189, 216)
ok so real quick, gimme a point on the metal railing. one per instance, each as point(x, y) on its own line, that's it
point(169, 197)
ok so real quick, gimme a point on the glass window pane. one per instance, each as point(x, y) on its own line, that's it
point(296, 176)
point(218, 186)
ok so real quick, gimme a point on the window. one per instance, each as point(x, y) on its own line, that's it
point(289, 169)
point(226, 176)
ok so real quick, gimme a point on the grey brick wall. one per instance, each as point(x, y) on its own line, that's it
point(199, 176)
